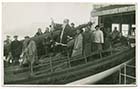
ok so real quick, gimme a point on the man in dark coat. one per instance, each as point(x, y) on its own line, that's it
point(47, 41)
point(64, 35)
point(16, 49)
point(87, 41)
point(73, 29)
point(65, 32)
point(7, 44)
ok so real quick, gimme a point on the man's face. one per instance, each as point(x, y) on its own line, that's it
point(15, 38)
point(87, 28)
point(47, 29)
point(39, 30)
point(77, 31)
point(97, 28)
point(115, 29)
point(72, 25)
point(27, 39)
point(65, 21)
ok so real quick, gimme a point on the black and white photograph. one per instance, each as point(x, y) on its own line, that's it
point(69, 43)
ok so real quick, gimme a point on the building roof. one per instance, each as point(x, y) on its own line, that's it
point(107, 7)
point(112, 9)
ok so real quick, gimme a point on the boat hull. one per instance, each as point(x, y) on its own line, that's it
point(78, 72)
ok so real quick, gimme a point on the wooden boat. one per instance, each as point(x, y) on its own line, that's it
point(65, 70)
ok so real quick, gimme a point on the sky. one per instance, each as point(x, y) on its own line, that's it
point(24, 18)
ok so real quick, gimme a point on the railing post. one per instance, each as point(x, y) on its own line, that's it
point(68, 59)
point(85, 57)
point(100, 53)
point(120, 76)
point(125, 73)
point(51, 64)
point(111, 49)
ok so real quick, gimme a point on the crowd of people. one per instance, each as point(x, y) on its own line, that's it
point(60, 38)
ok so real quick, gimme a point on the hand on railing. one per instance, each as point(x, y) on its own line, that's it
point(56, 44)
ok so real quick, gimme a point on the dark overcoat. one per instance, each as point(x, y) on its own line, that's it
point(16, 48)
point(87, 42)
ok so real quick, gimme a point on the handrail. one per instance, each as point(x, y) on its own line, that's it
point(93, 53)
point(125, 75)
point(131, 66)
point(78, 59)
point(66, 59)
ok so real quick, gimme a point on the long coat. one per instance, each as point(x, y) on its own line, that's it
point(87, 42)
point(7, 44)
point(16, 48)
point(30, 52)
point(66, 33)
point(78, 46)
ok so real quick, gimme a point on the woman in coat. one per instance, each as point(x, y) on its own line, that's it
point(78, 43)
point(29, 53)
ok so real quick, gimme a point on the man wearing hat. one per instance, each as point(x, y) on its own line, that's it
point(16, 49)
point(7, 44)
point(98, 39)
point(73, 29)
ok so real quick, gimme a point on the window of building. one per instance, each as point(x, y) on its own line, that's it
point(117, 26)
point(125, 29)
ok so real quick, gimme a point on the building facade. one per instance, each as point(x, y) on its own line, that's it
point(111, 16)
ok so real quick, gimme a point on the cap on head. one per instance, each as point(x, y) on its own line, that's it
point(15, 36)
point(7, 36)
point(39, 29)
point(97, 26)
point(72, 24)
point(26, 37)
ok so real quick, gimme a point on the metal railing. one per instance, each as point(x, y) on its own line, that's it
point(124, 74)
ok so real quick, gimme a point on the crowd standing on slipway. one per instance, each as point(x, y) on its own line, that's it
point(59, 38)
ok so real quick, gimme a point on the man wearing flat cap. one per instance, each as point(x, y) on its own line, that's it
point(16, 49)
point(98, 39)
